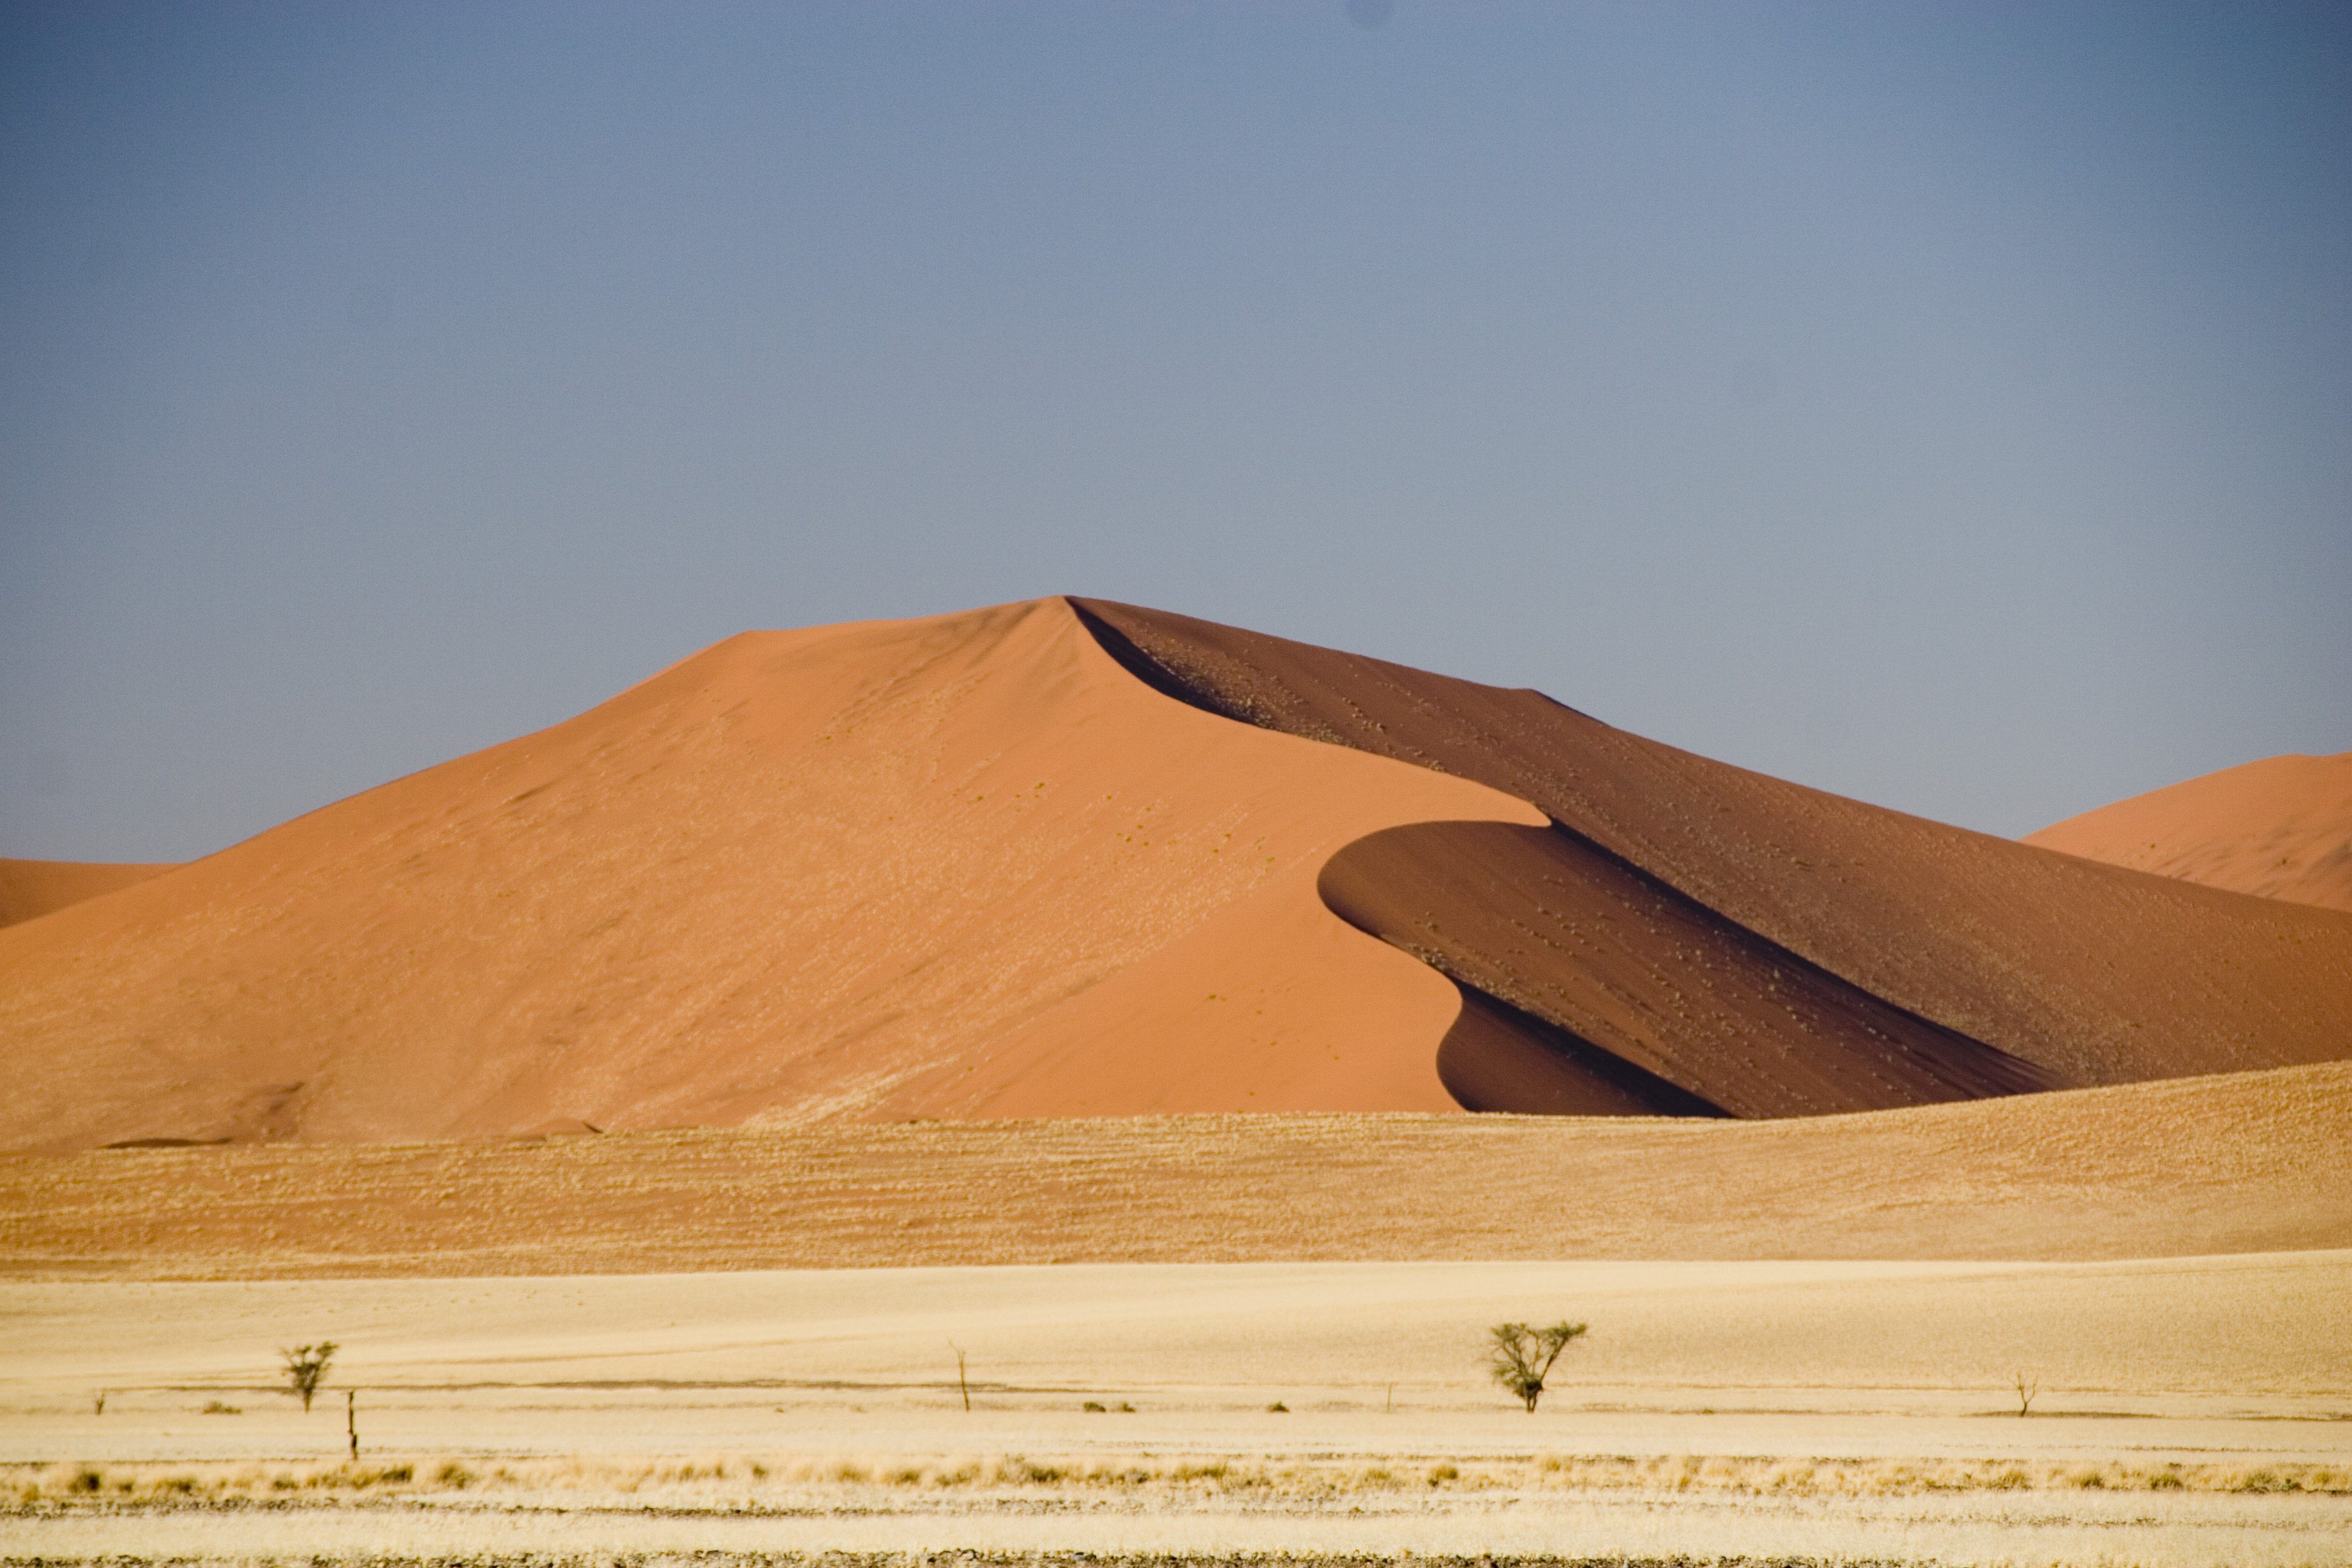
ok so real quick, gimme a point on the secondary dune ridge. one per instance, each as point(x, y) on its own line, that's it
point(2278, 828)
point(1024, 861)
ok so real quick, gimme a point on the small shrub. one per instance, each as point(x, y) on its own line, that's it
point(1125, 1408)
point(1277, 1408)
point(1520, 1358)
point(1095, 1405)
point(305, 1365)
point(218, 1407)
point(2165, 1482)
point(1440, 1474)
point(87, 1479)
point(453, 1474)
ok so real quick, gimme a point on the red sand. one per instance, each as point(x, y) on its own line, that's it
point(978, 865)
point(955, 866)
point(2279, 829)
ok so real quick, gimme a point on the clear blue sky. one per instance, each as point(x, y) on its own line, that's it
point(1950, 406)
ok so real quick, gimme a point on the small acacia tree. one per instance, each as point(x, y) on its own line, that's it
point(1520, 1357)
point(305, 1366)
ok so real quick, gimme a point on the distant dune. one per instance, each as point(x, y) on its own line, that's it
point(2279, 829)
point(1075, 858)
point(30, 889)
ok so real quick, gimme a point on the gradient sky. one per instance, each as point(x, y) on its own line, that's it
point(1948, 405)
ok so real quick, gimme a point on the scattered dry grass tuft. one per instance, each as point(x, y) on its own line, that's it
point(36, 1489)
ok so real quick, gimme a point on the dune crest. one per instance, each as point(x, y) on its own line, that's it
point(2278, 828)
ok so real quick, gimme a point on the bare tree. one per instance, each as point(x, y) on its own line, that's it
point(305, 1365)
point(1520, 1357)
point(2026, 1389)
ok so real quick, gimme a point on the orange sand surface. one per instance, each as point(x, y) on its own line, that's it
point(2278, 828)
point(29, 888)
point(965, 867)
point(2244, 1162)
point(1074, 858)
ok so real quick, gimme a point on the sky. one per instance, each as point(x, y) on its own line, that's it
point(1950, 406)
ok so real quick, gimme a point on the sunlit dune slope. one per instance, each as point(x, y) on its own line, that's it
point(965, 865)
point(2279, 829)
point(30, 889)
point(2017, 966)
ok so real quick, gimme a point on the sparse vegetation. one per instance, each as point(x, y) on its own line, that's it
point(1277, 1408)
point(963, 1387)
point(221, 1407)
point(1520, 1358)
point(305, 1366)
point(1265, 1478)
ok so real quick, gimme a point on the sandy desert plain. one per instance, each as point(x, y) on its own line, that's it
point(998, 1088)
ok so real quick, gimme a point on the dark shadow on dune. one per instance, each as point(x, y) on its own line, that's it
point(1497, 1057)
point(1768, 949)
point(1552, 928)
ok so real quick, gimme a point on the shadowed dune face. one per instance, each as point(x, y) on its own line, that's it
point(2034, 968)
point(1543, 921)
point(31, 888)
point(2279, 829)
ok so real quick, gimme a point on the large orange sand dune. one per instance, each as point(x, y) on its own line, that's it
point(1066, 858)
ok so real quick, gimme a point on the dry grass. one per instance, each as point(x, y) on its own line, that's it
point(48, 1489)
point(2250, 1164)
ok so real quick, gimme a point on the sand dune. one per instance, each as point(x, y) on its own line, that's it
point(2086, 973)
point(1023, 861)
point(30, 889)
point(955, 866)
point(2279, 829)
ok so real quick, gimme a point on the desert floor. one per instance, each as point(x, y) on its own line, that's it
point(2192, 1411)
point(2250, 1162)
